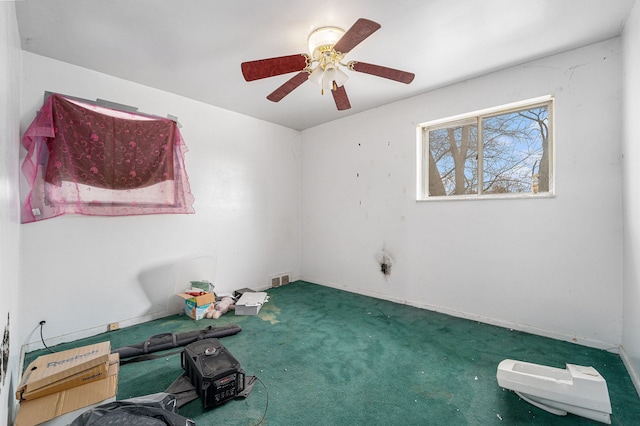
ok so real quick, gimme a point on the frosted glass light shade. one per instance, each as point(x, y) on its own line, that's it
point(325, 36)
point(316, 76)
point(340, 77)
point(326, 77)
point(329, 76)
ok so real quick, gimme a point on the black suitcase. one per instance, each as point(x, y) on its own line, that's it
point(213, 371)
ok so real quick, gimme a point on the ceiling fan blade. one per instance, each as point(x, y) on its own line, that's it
point(341, 99)
point(380, 71)
point(359, 31)
point(263, 68)
point(288, 87)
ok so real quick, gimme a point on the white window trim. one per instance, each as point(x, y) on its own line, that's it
point(422, 167)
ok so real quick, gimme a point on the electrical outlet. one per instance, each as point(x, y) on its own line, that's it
point(114, 326)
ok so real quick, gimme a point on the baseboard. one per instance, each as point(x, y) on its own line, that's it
point(635, 378)
point(598, 344)
point(70, 337)
point(592, 343)
point(611, 347)
point(89, 332)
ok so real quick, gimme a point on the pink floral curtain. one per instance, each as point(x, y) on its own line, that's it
point(92, 160)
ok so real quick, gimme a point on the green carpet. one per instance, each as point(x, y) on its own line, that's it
point(329, 357)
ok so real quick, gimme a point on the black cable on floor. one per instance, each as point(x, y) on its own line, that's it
point(42, 338)
point(266, 407)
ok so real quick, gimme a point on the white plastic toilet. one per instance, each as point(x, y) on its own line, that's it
point(578, 390)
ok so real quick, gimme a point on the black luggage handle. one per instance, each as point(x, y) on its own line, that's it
point(145, 346)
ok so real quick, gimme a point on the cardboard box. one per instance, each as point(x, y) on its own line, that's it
point(59, 366)
point(251, 303)
point(91, 375)
point(66, 419)
point(197, 306)
point(40, 410)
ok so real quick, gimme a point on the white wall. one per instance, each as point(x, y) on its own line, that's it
point(631, 191)
point(549, 266)
point(9, 203)
point(85, 272)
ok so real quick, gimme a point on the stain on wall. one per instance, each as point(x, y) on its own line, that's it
point(385, 261)
point(4, 353)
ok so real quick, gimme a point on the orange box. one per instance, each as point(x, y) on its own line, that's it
point(197, 306)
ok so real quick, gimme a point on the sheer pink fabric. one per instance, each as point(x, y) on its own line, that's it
point(92, 160)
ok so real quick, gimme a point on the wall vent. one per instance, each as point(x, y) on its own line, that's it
point(279, 280)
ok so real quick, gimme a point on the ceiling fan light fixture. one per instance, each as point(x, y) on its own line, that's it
point(328, 77)
point(316, 76)
point(340, 77)
point(327, 74)
point(323, 39)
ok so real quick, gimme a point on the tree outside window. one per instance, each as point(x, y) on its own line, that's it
point(503, 152)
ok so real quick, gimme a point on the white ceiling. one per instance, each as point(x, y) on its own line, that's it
point(194, 47)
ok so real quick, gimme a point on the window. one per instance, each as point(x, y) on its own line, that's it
point(500, 152)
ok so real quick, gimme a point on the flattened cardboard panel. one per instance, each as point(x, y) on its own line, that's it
point(91, 375)
point(40, 410)
point(47, 369)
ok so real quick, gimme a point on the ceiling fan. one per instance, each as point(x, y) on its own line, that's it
point(328, 46)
